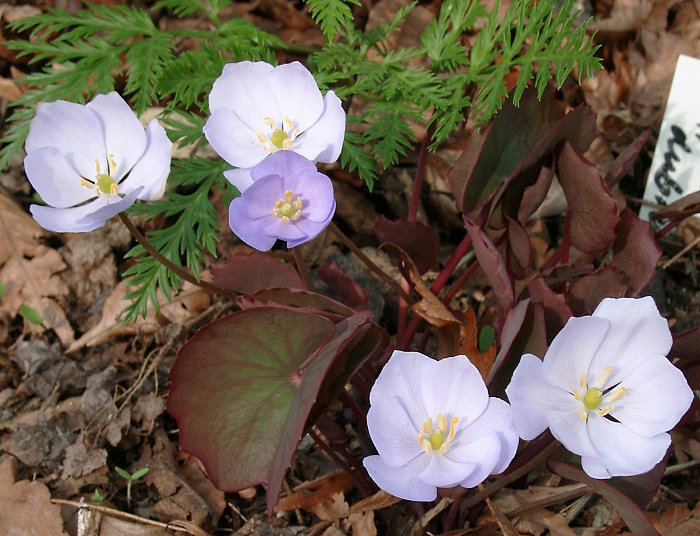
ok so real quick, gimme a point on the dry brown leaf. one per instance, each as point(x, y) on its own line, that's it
point(320, 490)
point(469, 344)
point(190, 300)
point(25, 507)
point(9, 90)
point(362, 524)
point(19, 233)
point(333, 509)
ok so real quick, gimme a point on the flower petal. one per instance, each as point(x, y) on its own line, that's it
point(444, 472)
point(636, 329)
point(565, 422)
point(393, 433)
point(311, 229)
point(658, 396)
point(114, 206)
point(573, 349)
point(54, 179)
point(317, 195)
point(484, 452)
point(240, 178)
point(594, 468)
point(623, 452)
point(296, 94)
point(244, 88)
point(401, 377)
point(65, 220)
point(323, 141)
point(454, 387)
point(399, 481)
point(260, 198)
point(249, 231)
point(233, 139)
point(124, 137)
point(72, 129)
point(152, 170)
point(498, 419)
point(523, 391)
point(286, 164)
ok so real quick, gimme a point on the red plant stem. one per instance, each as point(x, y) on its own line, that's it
point(356, 477)
point(473, 267)
point(350, 402)
point(361, 385)
point(302, 269)
point(420, 174)
point(403, 310)
point(665, 230)
point(565, 239)
point(181, 272)
point(436, 287)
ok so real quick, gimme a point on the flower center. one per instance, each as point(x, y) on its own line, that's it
point(279, 138)
point(288, 208)
point(596, 396)
point(434, 437)
point(103, 183)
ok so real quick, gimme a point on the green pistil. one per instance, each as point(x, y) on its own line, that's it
point(287, 209)
point(278, 137)
point(436, 439)
point(593, 398)
point(105, 183)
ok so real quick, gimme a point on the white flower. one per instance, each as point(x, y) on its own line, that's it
point(435, 426)
point(605, 389)
point(90, 162)
point(257, 109)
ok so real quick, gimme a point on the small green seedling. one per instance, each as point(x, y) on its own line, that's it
point(130, 478)
point(97, 496)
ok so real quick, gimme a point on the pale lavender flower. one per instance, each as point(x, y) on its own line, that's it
point(435, 426)
point(90, 162)
point(288, 199)
point(257, 109)
point(605, 389)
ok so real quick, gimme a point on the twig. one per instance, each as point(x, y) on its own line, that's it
point(419, 526)
point(120, 515)
point(682, 252)
point(183, 274)
point(365, 259)
point(302, 269)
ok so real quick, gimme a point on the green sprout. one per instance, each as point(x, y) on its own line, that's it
point(130, 478)
point(97, 496)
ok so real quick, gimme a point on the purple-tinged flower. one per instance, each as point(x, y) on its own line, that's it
point(605, 389)
point(435, 426)
point(257, 109)
point(91, 162)
point(288, 199)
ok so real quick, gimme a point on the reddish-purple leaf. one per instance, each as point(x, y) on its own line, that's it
point(635, 252)
point(535, 194)
point(681, 208)
point(518, 250)
point(256, 271)
point(415, 238)
point(589, 291)
point(626, 159)
point(632, 514)
point(686, 344)
point(492, 264)
point(243, 387)
point(516, 142)
point(304, 300)
point(348, 290)
point(592, 208)
point(556, 311)
point(511, 328)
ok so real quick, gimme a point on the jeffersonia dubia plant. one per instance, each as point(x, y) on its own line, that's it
point(257, 109)
point(91, 162)
point(288, 199)
point(605, 389)
point(435, 425)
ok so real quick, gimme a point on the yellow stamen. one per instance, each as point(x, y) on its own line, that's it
point(617, 394)
point(604, 411)
point(583, 380)
point(604, 376)
point(583, 414)
point(453, 423)
point(576, 394)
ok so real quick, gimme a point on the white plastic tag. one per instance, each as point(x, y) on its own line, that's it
point(675, 168)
